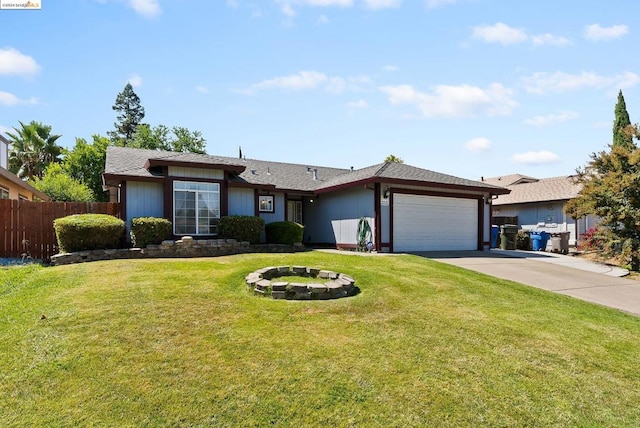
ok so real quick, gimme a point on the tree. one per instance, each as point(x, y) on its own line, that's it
point(130, 115)
point(85, 163)
point(611, 190)
point(33, 148)
point(622, 129)
point(60, 187)
point(393, 158)
point(178, 139)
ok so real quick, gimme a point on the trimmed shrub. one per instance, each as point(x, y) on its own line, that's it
point(242, 228)
point(284, 232)
point(149, 230)
point(81, 232)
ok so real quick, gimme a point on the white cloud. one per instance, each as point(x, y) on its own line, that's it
point(148, 8)
point(390, 68)
point(381, 4)
point(308, 80)
point(597, 33)
point(322, 20)
point(360, 104)
point(454, 101)
point(232, 3)
point(477, 145)
point(135, 80)
point(549, 39)
point(287, 10)
point(544, 83)
point(300, 81)
point(15, 62)
point(552, 118)
point(499, 33)
point(202, 89)
point(536, 158)
point(432, 4)
point(8, 99)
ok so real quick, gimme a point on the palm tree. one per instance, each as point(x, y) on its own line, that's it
point(32, 149)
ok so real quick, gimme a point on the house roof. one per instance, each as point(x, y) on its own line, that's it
point(133, 163)
point(541, 190)
point(508, 180)
point(5, 173)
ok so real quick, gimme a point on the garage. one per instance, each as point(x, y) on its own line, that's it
point(434, 223)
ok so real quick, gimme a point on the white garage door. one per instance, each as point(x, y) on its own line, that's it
point(433, 223)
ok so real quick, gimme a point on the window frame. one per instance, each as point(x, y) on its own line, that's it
point(270, 202)
point(196, 187)
point(4, 193)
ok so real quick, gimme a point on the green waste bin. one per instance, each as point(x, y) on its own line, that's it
point(508, 233)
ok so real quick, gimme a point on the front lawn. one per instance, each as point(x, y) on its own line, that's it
point(181, 343)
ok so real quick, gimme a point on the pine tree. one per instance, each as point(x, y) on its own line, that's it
point(130, 115)
point(621, 124)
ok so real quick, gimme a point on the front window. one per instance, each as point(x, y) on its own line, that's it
point(265, 204)
point(4, 193)
point(196, 208)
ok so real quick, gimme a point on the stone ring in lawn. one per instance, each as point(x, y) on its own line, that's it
point(269, 282)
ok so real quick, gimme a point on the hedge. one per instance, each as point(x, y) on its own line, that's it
point(242, 228)
point(81, 232)
point(150, 230)
point(284, 232)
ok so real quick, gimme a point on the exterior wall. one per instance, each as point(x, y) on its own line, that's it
point(333, 217)
point(4, 154)
point(241, 201)
point(143, 200)
point(185, 172)
point(278, 212)
point(548, 217)
point(16, 191)
point(486, 227)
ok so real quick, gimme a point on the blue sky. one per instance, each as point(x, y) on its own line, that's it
point(465, 87)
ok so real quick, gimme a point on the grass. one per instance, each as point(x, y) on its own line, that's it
point(181, 343)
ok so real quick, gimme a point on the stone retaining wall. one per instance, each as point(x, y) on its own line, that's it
point(185, 247)
point(336, 285)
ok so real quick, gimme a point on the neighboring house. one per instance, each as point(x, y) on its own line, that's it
point(408, 208)
point(539, 204)
point(11, 186)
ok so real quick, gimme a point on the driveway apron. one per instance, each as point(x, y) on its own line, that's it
point(566, 275)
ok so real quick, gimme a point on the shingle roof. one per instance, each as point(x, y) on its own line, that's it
point(545, 189)
point(123, 161)
point(508, 180)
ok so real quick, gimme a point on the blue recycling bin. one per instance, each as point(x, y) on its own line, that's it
point(539, 240)
point(495, 232)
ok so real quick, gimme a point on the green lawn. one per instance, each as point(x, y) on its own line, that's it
point(181, 343)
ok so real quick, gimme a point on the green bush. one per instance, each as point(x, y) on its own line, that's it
point(149, 230)
point(242, 228)
point(80, 232)
point(284, 232)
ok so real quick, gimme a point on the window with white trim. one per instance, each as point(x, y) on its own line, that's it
point(265, 204)
point(4, 193)
point(196, 208)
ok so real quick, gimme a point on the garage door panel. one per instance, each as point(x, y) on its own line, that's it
point(431, 223)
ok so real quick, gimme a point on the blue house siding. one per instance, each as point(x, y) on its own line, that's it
point(241, 201)
point(186, 172)
point(333, 218)
point(144, 199)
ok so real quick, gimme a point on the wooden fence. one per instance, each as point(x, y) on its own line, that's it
point(26, 228)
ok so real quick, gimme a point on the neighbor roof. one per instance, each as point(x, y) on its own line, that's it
point(542, 190)
point(508, 180)
point(5, 173)
point(124, 162)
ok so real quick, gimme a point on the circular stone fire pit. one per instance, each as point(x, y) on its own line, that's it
point(271, 282)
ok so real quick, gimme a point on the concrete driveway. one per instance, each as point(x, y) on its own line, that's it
point(561, 274)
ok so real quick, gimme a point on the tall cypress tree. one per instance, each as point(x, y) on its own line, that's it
point(621, 123)
point(130, 116)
